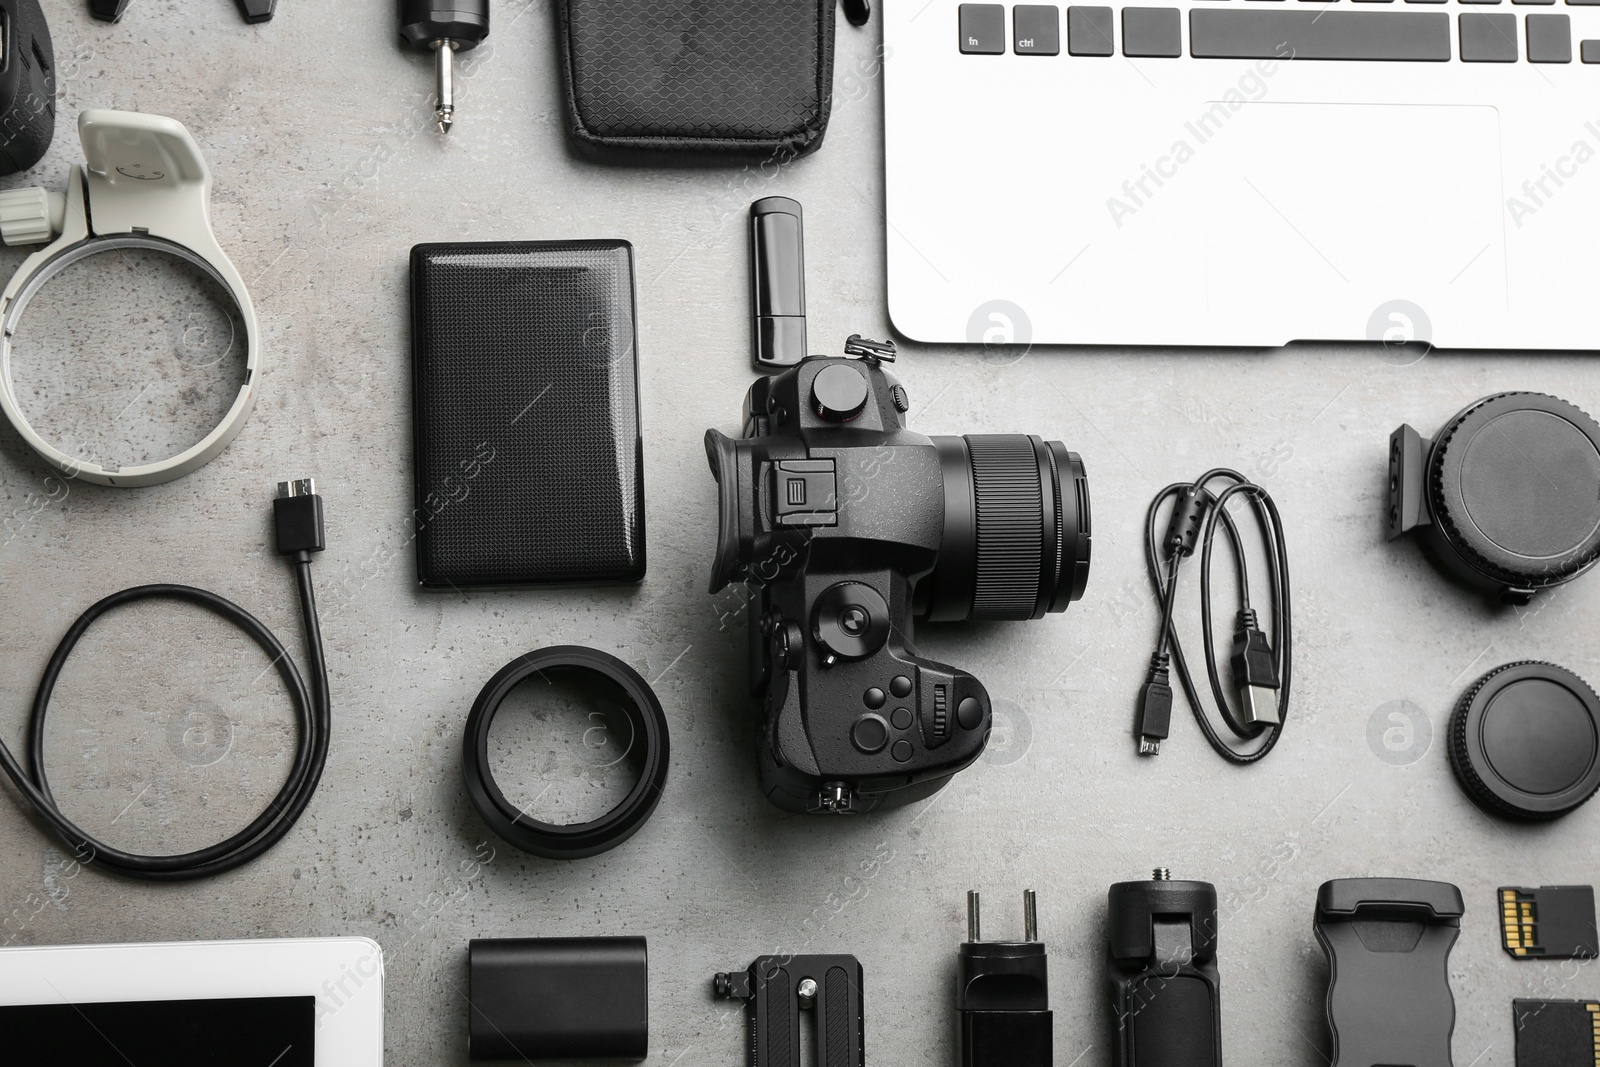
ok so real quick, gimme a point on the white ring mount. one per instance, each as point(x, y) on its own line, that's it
point(144, 185)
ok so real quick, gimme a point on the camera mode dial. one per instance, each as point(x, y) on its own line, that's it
point(839, 392)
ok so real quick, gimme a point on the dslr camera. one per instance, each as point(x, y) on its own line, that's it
point(849, 528)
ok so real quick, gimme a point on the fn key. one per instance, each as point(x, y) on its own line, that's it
point(983, 29)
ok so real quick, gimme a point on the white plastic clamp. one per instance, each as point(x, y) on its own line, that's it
point(144, 185)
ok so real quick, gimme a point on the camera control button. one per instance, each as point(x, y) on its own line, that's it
point(874, 698)
point(839, 392)
point(870, 733)
point(901, 752)
point(969, 713)
point(900, 685)
point(902, 719)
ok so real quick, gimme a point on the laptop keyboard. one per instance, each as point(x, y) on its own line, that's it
point(1418, 31)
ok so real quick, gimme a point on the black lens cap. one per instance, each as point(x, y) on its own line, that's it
point(1514, 484)
point(1525, 741)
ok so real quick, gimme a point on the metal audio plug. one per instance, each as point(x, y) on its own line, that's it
point(444, 27)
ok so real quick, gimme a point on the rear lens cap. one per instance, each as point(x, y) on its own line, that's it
point(1525, 741)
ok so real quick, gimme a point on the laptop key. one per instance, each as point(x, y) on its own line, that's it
point(1488, 38)
point(1533, 1)
point(1036, 29)
point(983, 29)
point(1089, 31)
point(1549, 38)
point(1157, 31)
point(1422, 36)
point(1590, 51)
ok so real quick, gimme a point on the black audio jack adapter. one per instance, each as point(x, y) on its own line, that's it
point(1004, 995)
point(444, 27)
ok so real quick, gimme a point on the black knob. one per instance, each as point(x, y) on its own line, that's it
point(851, 620)
point(787, 645)
point(839, 392)
point(1514, 484)
point(1525, 741)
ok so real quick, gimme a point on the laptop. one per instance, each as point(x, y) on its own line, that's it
point(1244, 172)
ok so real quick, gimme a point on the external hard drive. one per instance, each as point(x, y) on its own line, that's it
point(529, 466)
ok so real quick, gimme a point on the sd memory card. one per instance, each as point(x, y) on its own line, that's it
point(1557, 1033)
point(1553, 922)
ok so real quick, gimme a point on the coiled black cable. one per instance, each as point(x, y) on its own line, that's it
point(312, 710)
point(1197, 509)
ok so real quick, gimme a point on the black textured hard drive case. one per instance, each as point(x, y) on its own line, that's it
point(529, 467)
point(696, 82)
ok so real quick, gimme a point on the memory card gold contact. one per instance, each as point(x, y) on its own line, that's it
point(1552, 922)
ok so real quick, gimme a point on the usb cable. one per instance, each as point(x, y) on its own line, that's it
point(1261, 666)
point(297, 514)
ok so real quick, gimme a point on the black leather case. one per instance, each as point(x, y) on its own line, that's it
point(529, 467)
point(687, 83)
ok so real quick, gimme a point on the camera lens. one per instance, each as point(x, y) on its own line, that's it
point(1016, 529)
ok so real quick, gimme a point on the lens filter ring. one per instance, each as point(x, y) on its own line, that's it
point(572, 840)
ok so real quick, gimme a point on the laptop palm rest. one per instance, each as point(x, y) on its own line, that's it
point(1392, 207)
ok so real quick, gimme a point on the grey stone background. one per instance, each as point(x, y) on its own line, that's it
point(165, 733)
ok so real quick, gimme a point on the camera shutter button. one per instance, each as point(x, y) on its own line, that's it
point(839, 392)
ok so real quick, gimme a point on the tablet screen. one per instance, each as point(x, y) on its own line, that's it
point(250, 1032)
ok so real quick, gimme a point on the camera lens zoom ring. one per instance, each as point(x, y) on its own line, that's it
point(1010, 514)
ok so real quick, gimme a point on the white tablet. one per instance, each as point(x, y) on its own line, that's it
point(313, 1002)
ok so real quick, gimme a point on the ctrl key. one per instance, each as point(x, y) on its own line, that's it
point(983, 29)
point(1036, 29)
point(1589, 51)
